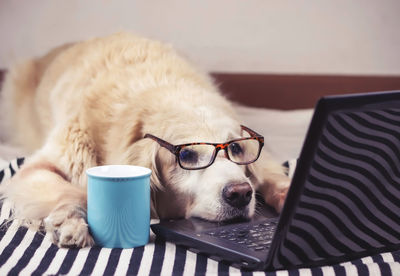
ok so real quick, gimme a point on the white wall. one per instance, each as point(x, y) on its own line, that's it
point(269, 36)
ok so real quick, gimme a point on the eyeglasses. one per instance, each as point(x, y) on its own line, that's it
point(195, 156)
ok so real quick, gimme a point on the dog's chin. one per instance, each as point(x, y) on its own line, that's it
point(229, 214)
point(234, 214)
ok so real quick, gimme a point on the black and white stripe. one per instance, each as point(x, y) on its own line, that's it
point(350, 201)
point(26, 252)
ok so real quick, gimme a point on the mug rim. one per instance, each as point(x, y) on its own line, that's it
point(139, 172)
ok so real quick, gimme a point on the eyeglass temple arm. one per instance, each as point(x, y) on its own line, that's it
point(251, 132)
point(162, 143)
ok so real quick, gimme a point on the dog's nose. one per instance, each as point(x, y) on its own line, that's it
point(237, 195)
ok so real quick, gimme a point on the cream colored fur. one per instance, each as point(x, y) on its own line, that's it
point(91, 103)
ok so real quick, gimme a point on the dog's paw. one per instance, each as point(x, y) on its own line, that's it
point(278, 199)
point(68, 227)
point(276, 191)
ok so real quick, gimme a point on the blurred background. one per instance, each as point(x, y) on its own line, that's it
point(275, 38)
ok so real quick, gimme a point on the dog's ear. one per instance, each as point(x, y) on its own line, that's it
point(144, 153)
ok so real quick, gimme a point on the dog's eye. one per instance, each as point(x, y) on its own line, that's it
point(235, 149)
point(188, 156)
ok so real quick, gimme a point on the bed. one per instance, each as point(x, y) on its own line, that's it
point(281, 115)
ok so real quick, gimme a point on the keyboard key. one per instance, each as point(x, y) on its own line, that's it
point(256, 237)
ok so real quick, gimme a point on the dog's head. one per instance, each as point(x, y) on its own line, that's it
point(220, 191)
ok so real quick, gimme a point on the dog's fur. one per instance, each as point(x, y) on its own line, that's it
point(91, 103)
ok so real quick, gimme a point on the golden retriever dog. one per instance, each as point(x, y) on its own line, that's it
point(92, 103)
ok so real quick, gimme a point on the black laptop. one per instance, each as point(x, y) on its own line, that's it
point(343, 203)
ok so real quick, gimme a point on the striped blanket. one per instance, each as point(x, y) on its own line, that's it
point(26, 252)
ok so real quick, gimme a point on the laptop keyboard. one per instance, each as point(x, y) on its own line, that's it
point(257, 237)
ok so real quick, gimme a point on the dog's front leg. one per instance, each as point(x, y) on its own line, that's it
point(50, 188)
point(271, 180)
point(42, 196)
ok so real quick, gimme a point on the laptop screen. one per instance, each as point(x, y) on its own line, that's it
point(350, 200)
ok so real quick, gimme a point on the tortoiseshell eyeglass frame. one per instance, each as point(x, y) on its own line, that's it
point(175, 149)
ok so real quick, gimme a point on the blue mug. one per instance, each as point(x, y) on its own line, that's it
point(118, 205)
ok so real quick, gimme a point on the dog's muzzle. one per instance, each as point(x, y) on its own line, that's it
point(237, 195)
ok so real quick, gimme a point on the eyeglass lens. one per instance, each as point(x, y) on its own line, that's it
point(197, 156)
point(244, 151)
